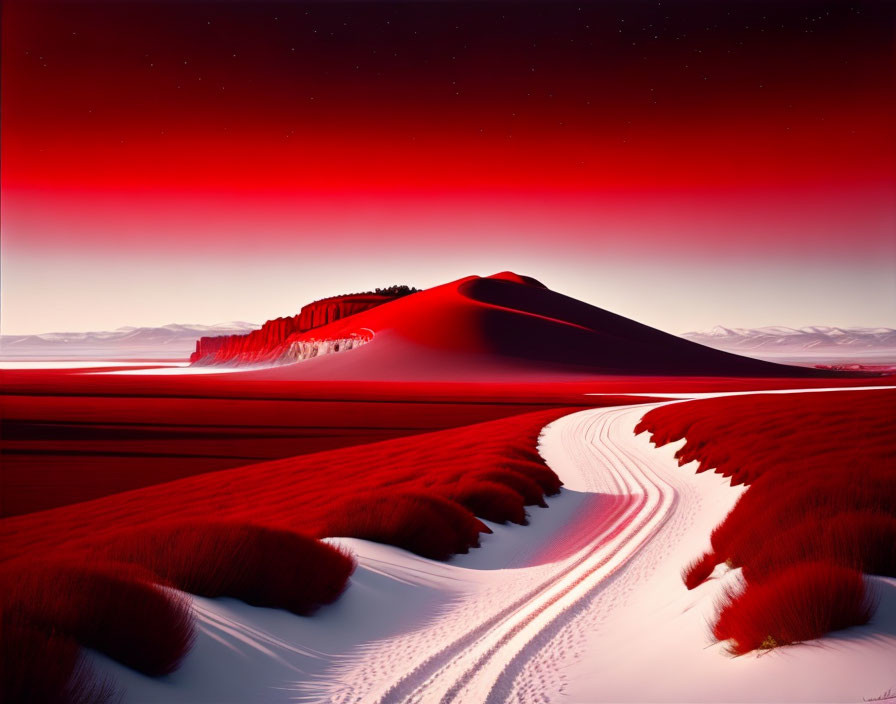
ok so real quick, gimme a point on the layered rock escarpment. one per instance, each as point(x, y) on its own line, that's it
point(272, 342)
point(308, 349)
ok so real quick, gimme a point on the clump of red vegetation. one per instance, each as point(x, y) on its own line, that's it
point(528, 489)
point(799, 603)
point(419, 493)
point(261, 566)
point(423, 523)
point(821, 492)
point(862, 540)
point(698, 570)
point(41, 667)
point(491, 500)
point(114, 608)
point(536, 471)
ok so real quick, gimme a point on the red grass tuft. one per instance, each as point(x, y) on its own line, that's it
point(519, 460)
point(541, 474)
point(491, 501)
point(862, 540)
point(524, 486)
point(111, 607)
point(526, 454)
point(40, 667)
point(803, 602)
point(699, 570)
point(425, 524)
point(261, 566)
point(776, 502)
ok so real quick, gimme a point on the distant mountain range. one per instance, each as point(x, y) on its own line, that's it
point(809, 342)
point(175, 341)
point(816, 344)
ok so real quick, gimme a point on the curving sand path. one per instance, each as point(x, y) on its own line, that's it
point(474, 652)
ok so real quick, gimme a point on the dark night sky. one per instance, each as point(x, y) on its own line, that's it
point(277, 125)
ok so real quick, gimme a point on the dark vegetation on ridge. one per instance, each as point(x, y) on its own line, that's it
point(819, 510)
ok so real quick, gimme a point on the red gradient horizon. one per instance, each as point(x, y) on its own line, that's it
point(754, 139)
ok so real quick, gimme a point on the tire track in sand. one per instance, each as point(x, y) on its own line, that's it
point(479, 650)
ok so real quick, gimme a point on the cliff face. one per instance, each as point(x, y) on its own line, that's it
point(269, 343)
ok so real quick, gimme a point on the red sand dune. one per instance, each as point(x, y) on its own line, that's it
point(504, 326)
point(821, 470)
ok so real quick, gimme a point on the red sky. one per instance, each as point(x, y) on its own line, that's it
point(208, 161)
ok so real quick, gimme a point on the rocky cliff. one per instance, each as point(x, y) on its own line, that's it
point(269, 343)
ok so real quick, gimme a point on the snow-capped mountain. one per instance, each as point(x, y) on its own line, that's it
point(811, 341)
point(173, 341)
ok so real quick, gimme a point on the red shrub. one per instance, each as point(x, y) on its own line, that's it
point(521, 484)
point(698, 570)
point(111, 607)
point(527, 452)
point(491, 501)
point(261, 566)
point(40, 667)
point(776, 502)
point(801, 603)
point(514, 461)
point(862, 540)
point(466, 525)
point(425, 524)
point(539, 473)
